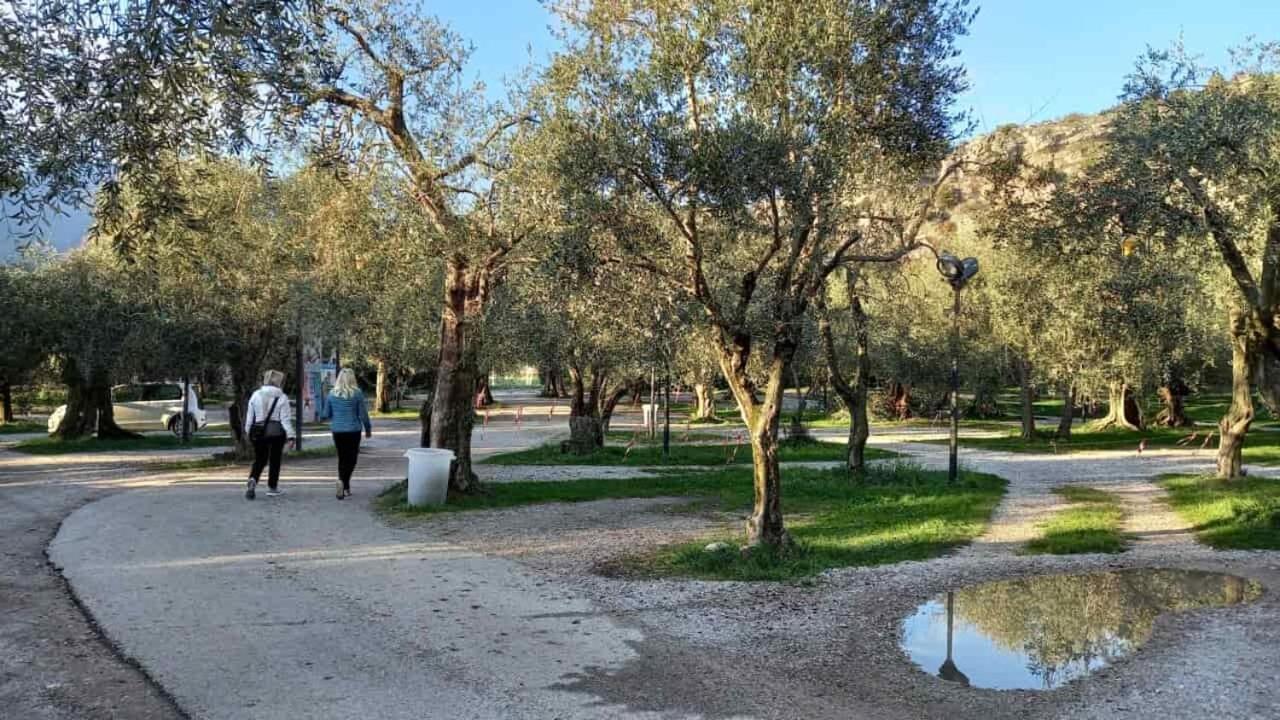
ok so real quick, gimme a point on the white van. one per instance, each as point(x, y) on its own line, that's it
point(148, 406)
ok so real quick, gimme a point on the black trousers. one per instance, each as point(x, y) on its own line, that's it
point(348, 445)
point(264, 452)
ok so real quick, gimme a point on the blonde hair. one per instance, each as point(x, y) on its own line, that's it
point(346, 386)
point(272, 377)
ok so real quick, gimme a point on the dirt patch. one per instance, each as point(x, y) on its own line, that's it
point(831, 649)
point(54, 662)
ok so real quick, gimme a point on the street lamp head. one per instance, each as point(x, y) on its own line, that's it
point(949, 266)
point(956, 271)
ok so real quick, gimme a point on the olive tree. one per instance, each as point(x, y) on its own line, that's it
point(99, 94)
point(1194, 156)
point(83, 110)
point(725, 148)
point(387, 68)
point(248, 266)
point(1093, 317)
point(97, 325)
point(24, 326)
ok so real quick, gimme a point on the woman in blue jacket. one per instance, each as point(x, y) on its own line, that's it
point(345, 410)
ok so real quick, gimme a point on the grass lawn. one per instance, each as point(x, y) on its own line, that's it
point(892, 514)
point(678, 435)
point(22, 426)
point(1206, 408)
point(401, 414)
point(54, 446)
point(651, 454)
point(1261, 447)
point(1209, 409)
point(1010, 403)
point(411, 413)
point(1090, 525)
point(1236, 514)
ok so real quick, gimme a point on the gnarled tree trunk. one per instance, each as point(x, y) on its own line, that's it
point(636, 389)
point(547, 375)
point(1234, 426)
point(382, 389)
point(591, 407)
point(852, 390)
point(898, 401)
point(1174, 412)
point(704, 395)
point(243, 382)
point(424, 424)
point(586, 432)
point(1068, 411)
point(1122, 409)
point(89, 407)
point(1027, 388)
point(985, 403)
point(762, 416)
point(6, 403)
point(466, 290)
point(611, 400)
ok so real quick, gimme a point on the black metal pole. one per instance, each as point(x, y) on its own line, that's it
point(666, 425)
point(651, 414)
point(298, 417)
point(186, 404)
point(953, 469)
point(950, 623)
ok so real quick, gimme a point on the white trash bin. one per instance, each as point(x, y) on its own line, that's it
point(428, 475)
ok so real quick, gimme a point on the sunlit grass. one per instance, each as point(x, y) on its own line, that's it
point(889, 514)
point(1090, 525)
point(725, 451)
point(1228, 514)
point(1261, 446)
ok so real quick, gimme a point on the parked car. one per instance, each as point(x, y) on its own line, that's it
point(148, 406)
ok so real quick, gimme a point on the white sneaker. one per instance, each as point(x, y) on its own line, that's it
point(276, 492)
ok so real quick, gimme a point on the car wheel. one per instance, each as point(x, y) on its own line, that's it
point(176, 429)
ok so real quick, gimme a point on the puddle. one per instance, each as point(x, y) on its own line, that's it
point(1040, 633)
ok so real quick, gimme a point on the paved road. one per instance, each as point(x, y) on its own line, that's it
point(304, 605)
point(54, 662)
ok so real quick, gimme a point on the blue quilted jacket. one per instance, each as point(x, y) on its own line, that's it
point(346, 414)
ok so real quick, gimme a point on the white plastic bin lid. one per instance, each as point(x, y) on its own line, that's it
point(428, 452)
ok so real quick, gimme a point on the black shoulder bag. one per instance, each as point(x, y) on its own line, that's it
point(267, 429)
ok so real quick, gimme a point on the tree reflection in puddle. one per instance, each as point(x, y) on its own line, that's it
point(1042, 632)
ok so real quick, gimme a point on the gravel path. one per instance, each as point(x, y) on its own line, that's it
point(837, 642)
point(506, 613)
point(555, 473)
point(1030, 500)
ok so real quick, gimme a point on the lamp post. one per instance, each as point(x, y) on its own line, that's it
point(957, 273)
point(948, 670)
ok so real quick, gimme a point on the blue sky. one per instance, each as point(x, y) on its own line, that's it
point(1032, 60)
point(1028, 60)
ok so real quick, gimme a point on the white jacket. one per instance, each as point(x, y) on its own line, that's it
point(260, 403)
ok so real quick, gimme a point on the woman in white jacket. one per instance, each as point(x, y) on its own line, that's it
point(269, 422)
